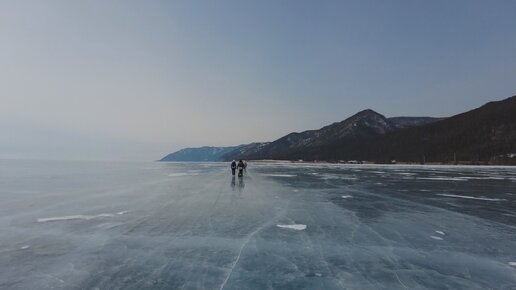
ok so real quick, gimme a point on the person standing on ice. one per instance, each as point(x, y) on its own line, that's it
point(240, 168)
point(233, 167)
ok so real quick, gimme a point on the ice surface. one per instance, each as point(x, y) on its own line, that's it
point(194, 226)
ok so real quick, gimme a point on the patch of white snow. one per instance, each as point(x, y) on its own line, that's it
point(471, 197)
point(297, 227)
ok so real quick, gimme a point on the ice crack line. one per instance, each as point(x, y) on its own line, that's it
point(246, 241)
point(399, 280)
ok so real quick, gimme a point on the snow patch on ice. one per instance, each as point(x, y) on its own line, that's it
point(444, 178)
point(182, 174)
point(281, 175)
point(436, 238)
point(471, 197)
point(78, 217)
point(297, 227)
point(335, 176)
point(485, 177)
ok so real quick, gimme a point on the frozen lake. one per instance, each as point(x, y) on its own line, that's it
point(92, 225)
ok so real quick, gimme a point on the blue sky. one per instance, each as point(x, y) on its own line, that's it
point(134, 80)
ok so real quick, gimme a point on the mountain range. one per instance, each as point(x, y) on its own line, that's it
point(483, 135)
point(206, 153)
point(209, 153)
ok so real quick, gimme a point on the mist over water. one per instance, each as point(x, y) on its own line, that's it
point(109, 225)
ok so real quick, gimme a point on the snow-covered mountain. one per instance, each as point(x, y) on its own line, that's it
point(364, 123)
point(205, 153)
point(243, 150)
point(406, 122)
point(208, 153)
point(486, 134)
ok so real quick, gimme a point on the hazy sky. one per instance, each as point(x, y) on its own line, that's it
point(135, 80)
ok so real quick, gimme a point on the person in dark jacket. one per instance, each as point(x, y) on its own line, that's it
point(233, 167)
point(240, 168)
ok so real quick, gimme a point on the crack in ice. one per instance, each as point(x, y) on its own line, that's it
point(244, 244)
point(399, 280)
point(246, 241)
